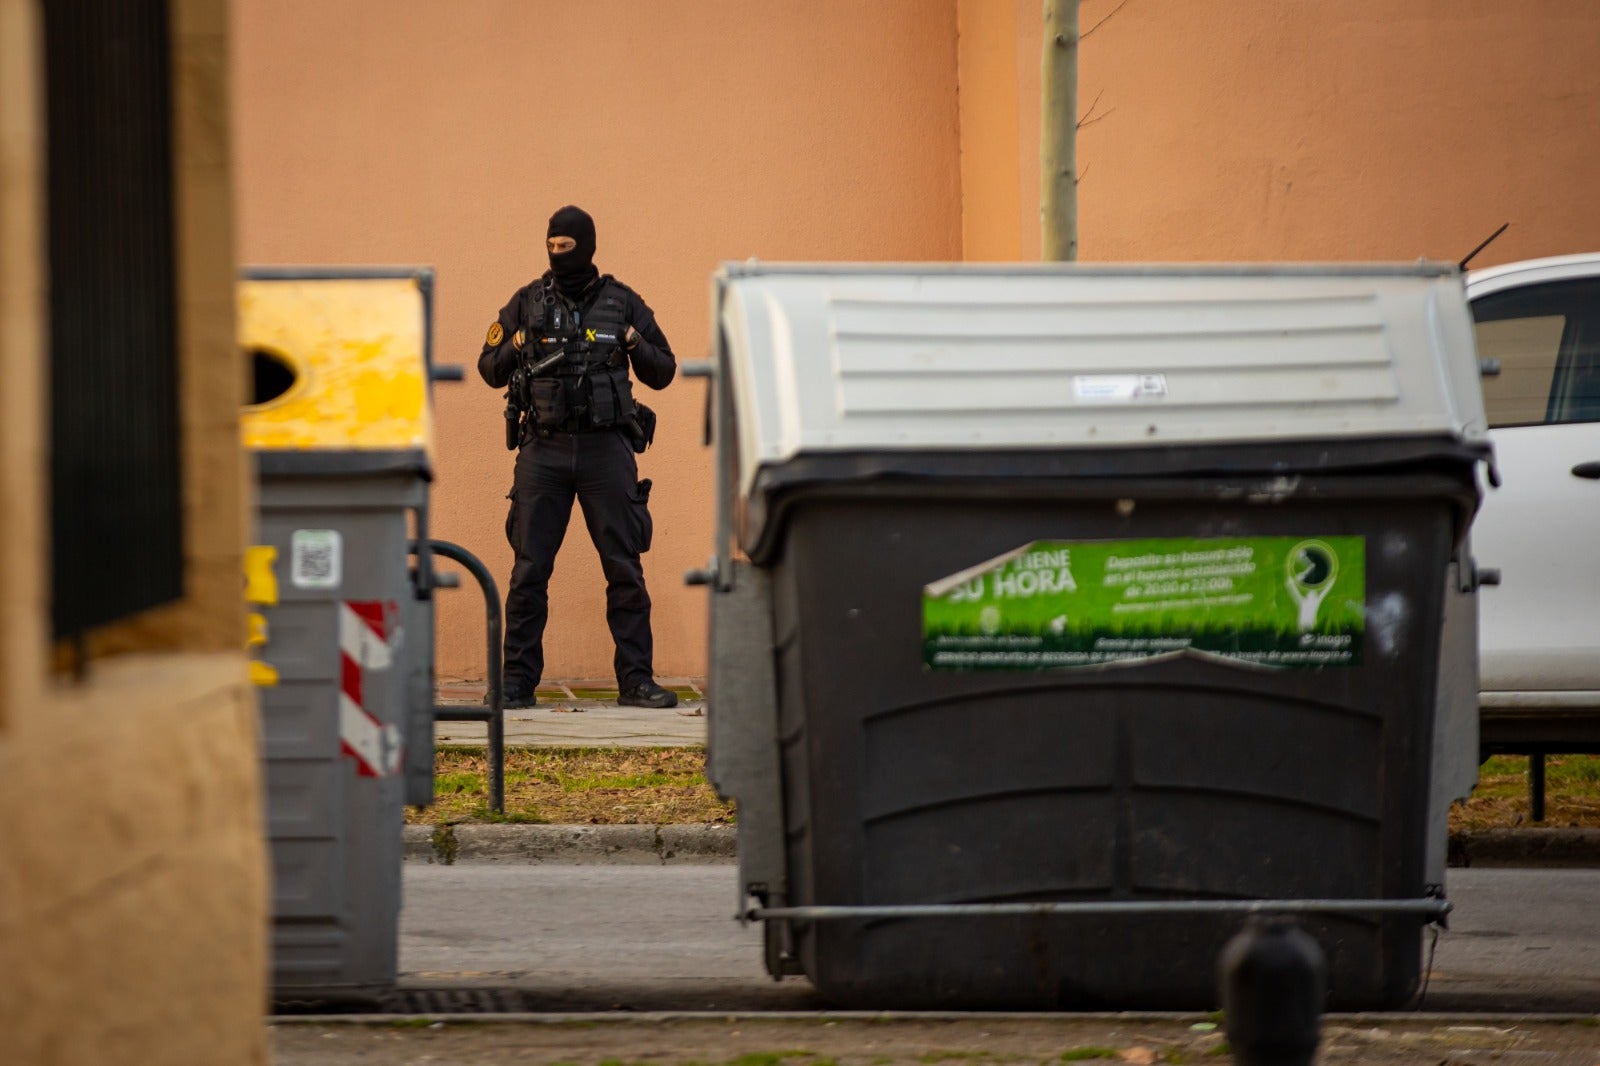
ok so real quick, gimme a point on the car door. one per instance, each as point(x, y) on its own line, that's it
point(1540, 630)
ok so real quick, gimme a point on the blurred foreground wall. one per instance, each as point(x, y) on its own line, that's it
point(133, 876)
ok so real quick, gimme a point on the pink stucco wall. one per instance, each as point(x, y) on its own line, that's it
point(706, 130)
point(369, 131)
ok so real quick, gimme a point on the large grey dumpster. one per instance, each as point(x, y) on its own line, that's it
point(341, 436)
point(1060, 616)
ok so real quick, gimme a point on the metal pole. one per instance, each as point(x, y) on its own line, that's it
point(1536, 786)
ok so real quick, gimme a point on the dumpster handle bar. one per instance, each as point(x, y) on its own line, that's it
point(1433, 909)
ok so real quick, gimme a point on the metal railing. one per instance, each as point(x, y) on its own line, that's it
point(1431, 908)
point(493, 714)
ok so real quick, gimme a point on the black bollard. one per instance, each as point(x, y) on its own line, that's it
point(1274, 981)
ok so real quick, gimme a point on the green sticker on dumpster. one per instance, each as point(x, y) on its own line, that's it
point(1270, 601)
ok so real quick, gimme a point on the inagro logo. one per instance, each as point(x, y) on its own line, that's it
point(1312, 567)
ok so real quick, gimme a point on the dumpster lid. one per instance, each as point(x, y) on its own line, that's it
point(829, 358)
point(342, 368)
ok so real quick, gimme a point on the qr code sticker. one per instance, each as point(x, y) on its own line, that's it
point(315, 561)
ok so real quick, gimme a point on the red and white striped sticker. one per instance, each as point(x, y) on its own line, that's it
point(364, 644)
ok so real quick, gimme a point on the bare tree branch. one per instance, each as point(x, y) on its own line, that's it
point(1087, 121)
point(1089, 115)
point(1103, 21)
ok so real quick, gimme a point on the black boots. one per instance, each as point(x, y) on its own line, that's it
point(647, 694)
point(517, 696)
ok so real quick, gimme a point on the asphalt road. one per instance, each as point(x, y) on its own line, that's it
point(664, 938)
point(589, 937)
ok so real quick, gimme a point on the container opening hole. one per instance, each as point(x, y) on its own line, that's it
point(272, 374)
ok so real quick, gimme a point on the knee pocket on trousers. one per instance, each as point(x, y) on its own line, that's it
point(643, 526)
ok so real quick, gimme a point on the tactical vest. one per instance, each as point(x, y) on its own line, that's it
point(589, 388)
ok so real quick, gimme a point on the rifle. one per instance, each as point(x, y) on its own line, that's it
point(518, 403)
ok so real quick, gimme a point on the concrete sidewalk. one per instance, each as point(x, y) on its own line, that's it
point(584, 715)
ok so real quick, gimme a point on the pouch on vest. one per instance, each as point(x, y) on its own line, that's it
point(609, 399)
point(549, 402)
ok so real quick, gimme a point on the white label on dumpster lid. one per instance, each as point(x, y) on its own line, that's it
point(1119, 388)
point(316, 559)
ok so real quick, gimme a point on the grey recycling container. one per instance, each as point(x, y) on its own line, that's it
point(340, 433)
point(1135, 596)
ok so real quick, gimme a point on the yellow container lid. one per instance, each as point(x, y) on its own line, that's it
point(343, 360)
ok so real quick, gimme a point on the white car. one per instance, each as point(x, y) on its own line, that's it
point(1538, 325)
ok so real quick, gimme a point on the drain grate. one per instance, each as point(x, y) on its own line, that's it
point(524, 994)
point(419, 1001)
point(458, 1001)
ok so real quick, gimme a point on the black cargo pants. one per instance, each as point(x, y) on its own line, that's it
point(599, 469)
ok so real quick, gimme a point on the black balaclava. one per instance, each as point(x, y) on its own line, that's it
point(573, 270)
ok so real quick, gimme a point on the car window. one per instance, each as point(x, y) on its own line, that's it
point(1526, 349)
point(1546, 340)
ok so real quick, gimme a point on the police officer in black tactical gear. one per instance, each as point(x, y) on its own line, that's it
point(562, 347)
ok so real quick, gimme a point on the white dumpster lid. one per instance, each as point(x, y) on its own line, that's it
point(887, 357)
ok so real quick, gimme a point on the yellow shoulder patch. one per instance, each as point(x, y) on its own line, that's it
point(496, 335)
